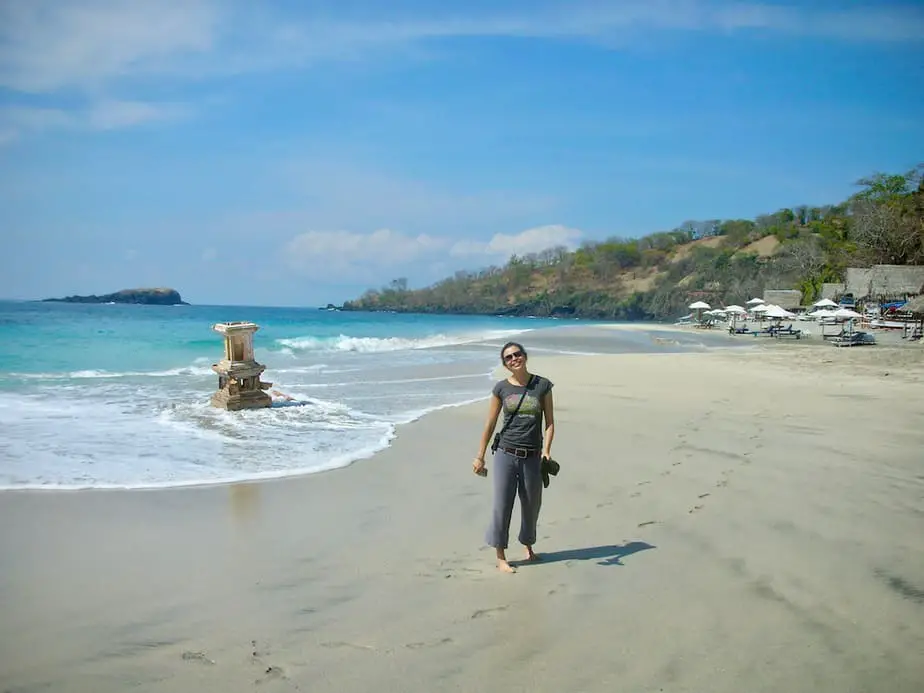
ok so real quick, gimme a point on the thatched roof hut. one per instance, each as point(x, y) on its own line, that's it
point(885, 281)
point(784, 298)
point(915, 305)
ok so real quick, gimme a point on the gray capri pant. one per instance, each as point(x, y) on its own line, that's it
point(515, 476)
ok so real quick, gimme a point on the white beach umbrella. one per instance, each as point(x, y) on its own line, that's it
point(734, 309)
point(824, 303)
point(699, 305)
point(847, 313)
point(762, 308)
point(822, 313)
point(755, 301)
point(778, 312)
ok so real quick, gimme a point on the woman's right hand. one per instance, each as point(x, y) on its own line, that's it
point(478, 467)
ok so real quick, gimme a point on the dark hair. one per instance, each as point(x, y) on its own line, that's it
point(511, 344)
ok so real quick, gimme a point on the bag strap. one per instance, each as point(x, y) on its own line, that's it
point(514, 412)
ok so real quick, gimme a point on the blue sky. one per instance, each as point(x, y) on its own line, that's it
point(298, 153)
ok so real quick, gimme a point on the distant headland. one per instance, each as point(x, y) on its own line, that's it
point(151, 297)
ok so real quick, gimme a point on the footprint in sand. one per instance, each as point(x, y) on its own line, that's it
point(275, 673)
point(432, 643)
point(703, 495)
point(337, 644)
point(197, 657)
point(649, 522)
point(642, 483)
point(695, 508)
point(481, 613)
point(635, 495)
point(271, 672)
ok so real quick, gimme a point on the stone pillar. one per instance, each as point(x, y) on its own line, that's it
point(239, 384)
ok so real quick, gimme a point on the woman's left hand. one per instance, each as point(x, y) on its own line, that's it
point(478, 467)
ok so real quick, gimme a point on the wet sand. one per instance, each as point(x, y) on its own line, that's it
point(738, 520)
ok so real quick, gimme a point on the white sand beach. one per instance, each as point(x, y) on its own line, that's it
point(730, 521)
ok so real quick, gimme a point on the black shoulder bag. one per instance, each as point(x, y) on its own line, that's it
point(497, 436)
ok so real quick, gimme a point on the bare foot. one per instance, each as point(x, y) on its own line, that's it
point(531, 556)
point(505, 567)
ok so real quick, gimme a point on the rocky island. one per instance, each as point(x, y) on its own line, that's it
point(152, 297)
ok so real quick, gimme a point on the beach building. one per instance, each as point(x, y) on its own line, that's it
point(884, 282)
point(833, 291)
point(790, 299)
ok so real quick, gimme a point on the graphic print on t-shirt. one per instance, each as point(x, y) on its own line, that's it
point(530, 406)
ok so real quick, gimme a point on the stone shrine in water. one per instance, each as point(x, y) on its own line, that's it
point(239, 384)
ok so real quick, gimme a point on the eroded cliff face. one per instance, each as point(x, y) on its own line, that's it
point(154, 297)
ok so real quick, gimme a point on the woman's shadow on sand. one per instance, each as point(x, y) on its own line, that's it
point(611, 554)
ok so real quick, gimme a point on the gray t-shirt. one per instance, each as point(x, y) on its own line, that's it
point(525, 430)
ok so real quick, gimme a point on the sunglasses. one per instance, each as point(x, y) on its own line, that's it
point(514, 355)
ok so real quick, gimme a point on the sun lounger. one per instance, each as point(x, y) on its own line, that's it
point(854, 339)
point(781, 332)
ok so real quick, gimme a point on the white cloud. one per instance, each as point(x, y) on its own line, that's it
point(17, 121)
point(532, 240)
point(51, 45)
point(345, 252)
point(113, 115)
point(46, 45)
point(350, 254)
point(329, 187)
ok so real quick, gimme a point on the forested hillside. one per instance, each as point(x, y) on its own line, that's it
point(656, 276)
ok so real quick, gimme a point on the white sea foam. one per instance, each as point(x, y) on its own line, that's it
point(110, 418)
point(193, 370)
point(127, 435)
point(381, 344)
point(403, 381)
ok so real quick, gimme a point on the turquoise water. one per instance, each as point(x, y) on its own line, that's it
point(117, 395)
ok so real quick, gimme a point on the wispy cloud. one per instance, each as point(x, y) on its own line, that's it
point(335, 253)
point(330, 186)
point(115, 114)
point(365, 256)
point(19, 121)
point(49, 45)
point(533, 240)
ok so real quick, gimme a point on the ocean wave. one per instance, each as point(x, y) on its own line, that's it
point(220, 477)
point(92, 374)
point(206, 446)
point(402, 381)
point(383, 344)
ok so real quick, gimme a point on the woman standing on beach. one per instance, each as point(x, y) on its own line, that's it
point(526, 400)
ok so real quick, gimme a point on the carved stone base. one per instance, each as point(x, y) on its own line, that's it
point(247, 399)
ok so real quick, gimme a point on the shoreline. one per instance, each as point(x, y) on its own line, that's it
point(712, 508)
point(580, 334)
point(587, 339)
